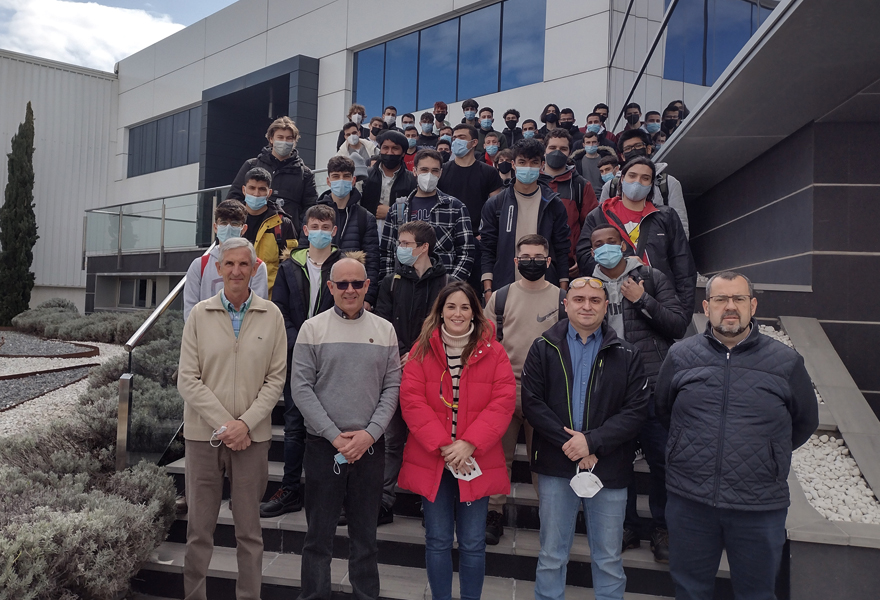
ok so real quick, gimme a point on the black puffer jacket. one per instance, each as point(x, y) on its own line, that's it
point(734, 417)
point(292, 181)
point(616, 407)
point(404, 182)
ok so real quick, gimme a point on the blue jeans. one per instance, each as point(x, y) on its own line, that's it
point(294, 441)
point(604, 514)
point(468, 519)
point(697, 534)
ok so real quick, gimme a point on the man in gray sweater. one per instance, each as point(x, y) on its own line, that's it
point(345, 382)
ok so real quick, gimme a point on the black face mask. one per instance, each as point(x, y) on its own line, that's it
point(375, 130)
point(633, 118)
point(511, 124)
point(634, 153)
point(440, 116)
point(445, 155)
point(532, 270)
point(670, 124)
point(504, 168)
point(567, 125)
point(551, 118)
point(392, 161)
point(602, 117)
point(556, 159)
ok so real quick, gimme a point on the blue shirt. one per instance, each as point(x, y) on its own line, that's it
point(582, 353)
point(237, 316)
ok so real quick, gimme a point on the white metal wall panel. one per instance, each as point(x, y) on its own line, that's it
point(74, 119)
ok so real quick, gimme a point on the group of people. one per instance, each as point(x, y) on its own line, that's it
point(415, 319)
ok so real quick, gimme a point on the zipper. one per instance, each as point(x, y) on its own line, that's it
point(721, 428)
point(657, 347)
point(567, 390)
point(590, 388)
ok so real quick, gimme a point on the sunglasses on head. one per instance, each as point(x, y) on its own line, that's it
point(582, 281)
point(343, 285)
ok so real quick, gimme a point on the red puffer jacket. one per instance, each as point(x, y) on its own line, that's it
point(487, 397)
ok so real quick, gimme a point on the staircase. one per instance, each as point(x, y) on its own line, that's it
point(510, 566)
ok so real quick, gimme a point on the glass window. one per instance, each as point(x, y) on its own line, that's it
point(181, 139)
point(438, 63)
point(478, 50)
point(522, 43)
point(148, 160)
point(683, 59)
point(195, 135)
point(369, 79)
point(168, 142)
point(164, 143)
point(401, 73)
point(135, 150)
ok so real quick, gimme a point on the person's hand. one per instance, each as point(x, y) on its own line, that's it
point(236, 435)
point(573, 271)
point(487, 293)
point(631, 290)
point(588, 462)
point(403, 360)
point(563, 285)
point(576, 448)
point(382, 211)
point(340, 442)
point(358, 442)
point(458, 454)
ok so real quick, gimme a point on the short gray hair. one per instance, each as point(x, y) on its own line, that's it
point(728, 276)
point(238, 242)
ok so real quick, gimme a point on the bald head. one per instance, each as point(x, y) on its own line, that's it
point(348, 267)
point(349, 284)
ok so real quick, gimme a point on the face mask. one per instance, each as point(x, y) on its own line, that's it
point(504, 168)
point(492, 150)
point(441, 116)
point(657, 146)
point(632, 118)
point(670, 124)
point(486, 124)
point(340, 187)
point(591, 149)
point(282, 148)
point(460, 148)
point(602, 117)
point(608, 256)
point(357, 118)
point(427, 182)
point(354, 139)
point(551, 118)
point(634, 153)
point(224, 232)
point(390, 120)
point(527, 175)
point(392, 161)
point(411, 142)
point(532, 270)
point(405, 255)
point(556, 159)
point(567, 125)
point(594, 128)
point(427, 127)
point(319, 239)
point(375, 130)
point(635, 191)
point(511, 124)
point(255, 202)
point(470, 114)
point(446, 138)
point(585, 484)
point(528, 134)
point(652, 127)
point(446, 155)
point(607, 177)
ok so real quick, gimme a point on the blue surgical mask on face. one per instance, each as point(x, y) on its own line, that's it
point(446, 138)
point(652, 127)
point(528, 133)
point(607, 177)
point(411, 142)
point(224, 232)
point(492, 150)
point(340, 187)
point(427, 127)
point(527, 175)
point(255, 202)
point(635, 191)
point(319, 239)
point(486, 124)
point(405, 256)
point(608, 255)
point(460, 147)
point(591, 149)
point(470, 114)
point(594, 128)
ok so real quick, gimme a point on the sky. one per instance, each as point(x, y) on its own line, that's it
point(95, 34)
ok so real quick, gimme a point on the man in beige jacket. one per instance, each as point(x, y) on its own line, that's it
point(233, 362)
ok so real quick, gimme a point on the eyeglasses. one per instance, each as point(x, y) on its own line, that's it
point(343, 285)
point(738, 300)
point(634, 147)
point(580, 282)
point(409, 244)
point(530, 260)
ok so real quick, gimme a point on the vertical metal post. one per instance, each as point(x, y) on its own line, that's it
point(85, 238)
point(162, 238)
point(123, 424)
point(213, 209)
point(119, 243)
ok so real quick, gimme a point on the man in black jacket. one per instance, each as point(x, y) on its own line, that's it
point(585, 394)
point(736, 403)
point(293, 183)
point(643, 310)
point(389, 180)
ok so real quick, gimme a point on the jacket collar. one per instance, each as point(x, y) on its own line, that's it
point(216, 303)
point(437, 269)
point(750, 340)
point(556, 335)
point(353, 199)
point(440, 352)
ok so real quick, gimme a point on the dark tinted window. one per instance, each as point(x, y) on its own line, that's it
point(438, 63)
point(522, 43)
point(195, 134)
point(164, 143)
point(369, 79)
point(401, 72)
point(479, 52)
point(171, 141)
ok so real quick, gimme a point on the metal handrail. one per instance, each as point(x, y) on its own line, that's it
point(103, 208)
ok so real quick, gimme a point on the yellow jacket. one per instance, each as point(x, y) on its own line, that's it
point(222, 378)
point(267, 246)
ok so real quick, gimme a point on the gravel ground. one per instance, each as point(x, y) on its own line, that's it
point(22, 344)
point(783, 337)
point(16, 391)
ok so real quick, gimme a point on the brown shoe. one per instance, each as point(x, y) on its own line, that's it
point(180, 506)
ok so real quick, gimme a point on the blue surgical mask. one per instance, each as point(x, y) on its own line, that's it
point(528, 133)
point(607, 176)
point(405, 256)
point(591, 149)
point(527, 175)
point(340, 187)
point(652, 127)
point(486, 124)
point(319, 239)
point(427, 127)
point(635, 191)
point(657, 146)
point(411, 142)
point(470, 114)
point(446, 138)
point(594, 127)
point(224, 232)
point(460, 147)
point(492, 150)
point(608, 255)
point(255, 202)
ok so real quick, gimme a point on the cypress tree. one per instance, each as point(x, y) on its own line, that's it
point(18, 225)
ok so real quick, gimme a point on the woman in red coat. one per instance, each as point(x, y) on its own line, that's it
point(457, 397)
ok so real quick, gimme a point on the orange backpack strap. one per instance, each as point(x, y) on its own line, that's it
point(205, 260)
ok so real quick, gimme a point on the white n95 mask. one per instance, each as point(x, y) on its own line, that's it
point(585, 484)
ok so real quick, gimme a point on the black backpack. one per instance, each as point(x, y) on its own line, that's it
point(661, 182)
point(501, 300)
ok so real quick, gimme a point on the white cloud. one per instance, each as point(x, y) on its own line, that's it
point(82, 33)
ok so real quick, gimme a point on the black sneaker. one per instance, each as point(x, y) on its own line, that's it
point(385, 516)
point(494, 527)
point(284, 501)
point(660, 545)
point(630, 540)
point(343, 520)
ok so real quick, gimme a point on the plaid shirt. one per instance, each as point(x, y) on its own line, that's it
point(236, 315)
point(455, 239)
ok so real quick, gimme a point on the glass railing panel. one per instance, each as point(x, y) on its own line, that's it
point(181, 221)
point(102, 231)
point(141, 226)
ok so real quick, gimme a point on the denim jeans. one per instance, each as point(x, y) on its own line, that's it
point(697, 534)
point(652, 438)
point(604, 514)
point(358, 488)
point(294, 441)
point(395, 440)
point(468, 520)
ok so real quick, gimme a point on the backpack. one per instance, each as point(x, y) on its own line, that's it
point(501, 300)
point(662, 182)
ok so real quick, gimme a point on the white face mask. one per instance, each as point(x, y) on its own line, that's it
point(427, 182)
point(390, 120)
point(356, 118)
point(354, 139)
point(282, 148)
point(585, 484)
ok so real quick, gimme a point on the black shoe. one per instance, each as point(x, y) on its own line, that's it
point(343, 521)
point(229, 506)
point(630, 540)
point(284, 501)
point(494, 527)
point(180, 506)
point(660, 545)
point(385, 516)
